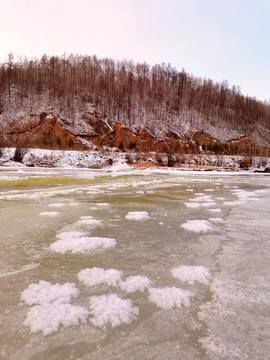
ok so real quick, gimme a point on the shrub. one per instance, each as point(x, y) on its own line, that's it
point(129, 159)
point(171, 160)
point(19, 154)
point(246, 163)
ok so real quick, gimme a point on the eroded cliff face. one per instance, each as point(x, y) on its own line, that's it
point(49, 131)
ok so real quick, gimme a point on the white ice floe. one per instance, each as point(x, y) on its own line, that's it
point(193, 205)
point(56, 205)
point(197, 225)
point(191, 190)
point(47, 318)
point(137, 215)
point(209, 190)
point(44, 293)
point(110, 309)
point(190, 274)
point(74, 204)
point(77, 242)
point(135, 283)
point(216, 220)
point(49, 213)
point(216, 210)
point(97, 276)
point(169, 297)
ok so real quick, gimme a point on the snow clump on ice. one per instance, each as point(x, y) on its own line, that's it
point(77, 242)
point(215, 210)
point(197, 225)
point(216, 220)
point(170, 297)
point(111, 309)
point(47, 318)
point(103, 205)
point(192, 205)
point(134, 283)
point(49, 213)
point(191, 274)
point(137, 215)
point(97, 276)
point(89, 220)
point(45, 293)
point(52, 307)
point(56, 205)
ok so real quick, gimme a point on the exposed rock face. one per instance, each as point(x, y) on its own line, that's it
point(49, 131)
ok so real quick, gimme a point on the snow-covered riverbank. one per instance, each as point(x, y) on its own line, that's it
point(113, 159)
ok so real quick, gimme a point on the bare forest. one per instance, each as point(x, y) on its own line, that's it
point(135, 94)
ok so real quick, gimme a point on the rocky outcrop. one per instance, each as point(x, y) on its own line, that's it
point(49, 131)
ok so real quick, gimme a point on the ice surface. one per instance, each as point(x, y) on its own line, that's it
point(74, 204)
point(110, 309)
point(44, 293)
point(191, 274)
point(170, 297)
point(56, 205)
point(137, 215)
point(197, 225)
point(97, 276)
point(134, 283)
point(47, 318)
point(49, 213)
point(22, 269)
point(77, 242)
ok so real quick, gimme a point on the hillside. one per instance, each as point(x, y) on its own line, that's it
point(82, 102)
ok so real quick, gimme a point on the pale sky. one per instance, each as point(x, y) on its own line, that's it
point(216, 39)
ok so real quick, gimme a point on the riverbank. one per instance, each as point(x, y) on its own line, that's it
point(105, 159)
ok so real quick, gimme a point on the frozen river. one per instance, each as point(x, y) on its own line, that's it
point(134, 265)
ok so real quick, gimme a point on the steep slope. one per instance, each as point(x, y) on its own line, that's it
point(95, 131)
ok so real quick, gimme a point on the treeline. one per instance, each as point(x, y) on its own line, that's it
point(125, 91)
